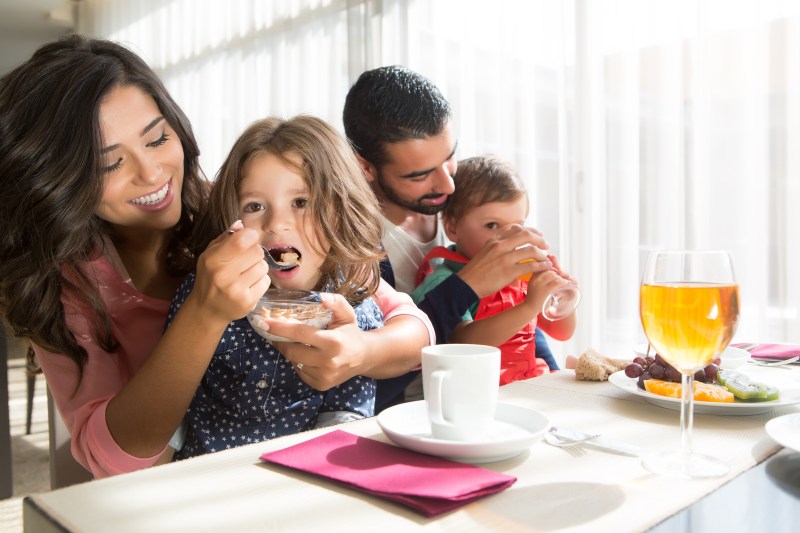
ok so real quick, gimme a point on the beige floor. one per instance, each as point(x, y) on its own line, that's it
point(30, 453)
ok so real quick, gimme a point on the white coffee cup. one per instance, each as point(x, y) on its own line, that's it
point(461, 383)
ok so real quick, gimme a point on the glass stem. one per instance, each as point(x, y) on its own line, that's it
point(687, 412)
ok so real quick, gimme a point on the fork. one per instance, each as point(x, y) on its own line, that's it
point(562, 442)
point(775, 363)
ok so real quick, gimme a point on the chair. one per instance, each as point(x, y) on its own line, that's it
point(32, 368)
point(64, 469)
point(6, 480)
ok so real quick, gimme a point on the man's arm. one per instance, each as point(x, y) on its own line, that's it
point(446, 305)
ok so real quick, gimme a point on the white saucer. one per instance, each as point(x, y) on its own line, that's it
point(785, 430)
point(515, 429)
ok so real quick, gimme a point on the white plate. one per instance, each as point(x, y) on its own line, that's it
point(738, 407)
point(515, 429)
point(785, 430)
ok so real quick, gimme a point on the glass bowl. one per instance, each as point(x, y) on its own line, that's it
point(732, 357)
point(295, 306)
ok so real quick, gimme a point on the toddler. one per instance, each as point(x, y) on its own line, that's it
point(488, 196)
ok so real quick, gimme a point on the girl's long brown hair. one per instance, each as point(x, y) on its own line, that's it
point(52, 180)
point(344, 208)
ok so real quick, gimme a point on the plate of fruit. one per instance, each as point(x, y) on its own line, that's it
point(716, 391)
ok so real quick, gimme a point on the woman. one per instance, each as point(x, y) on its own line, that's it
point(101, 186)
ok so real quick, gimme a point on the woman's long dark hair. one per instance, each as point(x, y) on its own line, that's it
point(51, 181)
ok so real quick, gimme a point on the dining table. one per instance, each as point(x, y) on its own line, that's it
point(566, 489)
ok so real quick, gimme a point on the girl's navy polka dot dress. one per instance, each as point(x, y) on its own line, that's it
point(250, 392)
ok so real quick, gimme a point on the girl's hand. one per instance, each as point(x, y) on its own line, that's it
point(231, 274)
point(324, 358)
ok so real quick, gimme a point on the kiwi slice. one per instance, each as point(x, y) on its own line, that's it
point(744, 388)
point(772, 394)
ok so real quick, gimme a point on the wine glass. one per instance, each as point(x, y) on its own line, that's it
point(689, 306)
point(561, 302)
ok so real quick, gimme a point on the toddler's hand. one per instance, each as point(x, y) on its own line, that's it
point(557, 267)
point(541, 286)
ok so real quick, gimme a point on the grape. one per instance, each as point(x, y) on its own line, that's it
point(700, 375)
point(671, 374)
point(640, 361)
point(717, 361)
point(711, 372)
point(650, 359)
point(645, 375)
point(656, 370)
point(660, 360)
point(634, 370)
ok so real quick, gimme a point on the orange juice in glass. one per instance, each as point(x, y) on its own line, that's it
point(688, 324)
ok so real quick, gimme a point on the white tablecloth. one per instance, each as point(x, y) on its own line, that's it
point(557, 489)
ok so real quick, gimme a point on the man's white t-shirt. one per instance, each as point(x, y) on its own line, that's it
point(406, 253)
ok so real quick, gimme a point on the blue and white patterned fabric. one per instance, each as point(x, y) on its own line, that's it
point(250, 393)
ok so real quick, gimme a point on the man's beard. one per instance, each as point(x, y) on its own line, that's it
point(414, 205)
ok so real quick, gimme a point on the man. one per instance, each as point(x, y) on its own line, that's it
point(400, 127)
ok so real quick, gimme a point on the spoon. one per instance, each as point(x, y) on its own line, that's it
point(561, 441)
point(273, 264)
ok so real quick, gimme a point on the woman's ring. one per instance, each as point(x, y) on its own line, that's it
point(299, 367)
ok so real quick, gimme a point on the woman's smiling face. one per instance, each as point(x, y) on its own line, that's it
point(143, 162)
point(274, 200)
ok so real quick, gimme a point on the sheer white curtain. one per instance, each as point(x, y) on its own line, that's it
point(228, 63)
point(685, 118)
point(637, 124)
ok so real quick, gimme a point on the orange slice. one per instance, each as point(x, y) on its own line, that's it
point(703, 392)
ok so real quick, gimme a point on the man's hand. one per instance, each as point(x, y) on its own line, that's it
point(501, 260)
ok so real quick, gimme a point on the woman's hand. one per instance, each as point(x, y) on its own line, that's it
point(324, 358)
point(231, 274)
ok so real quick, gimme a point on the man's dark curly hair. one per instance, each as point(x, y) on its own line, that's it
point(392, 104)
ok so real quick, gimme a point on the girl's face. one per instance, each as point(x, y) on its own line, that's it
point(274, 200)
point(143, 161)
point(481, 223)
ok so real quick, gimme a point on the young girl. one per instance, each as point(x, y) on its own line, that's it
point(490, 196)
point(297, 185)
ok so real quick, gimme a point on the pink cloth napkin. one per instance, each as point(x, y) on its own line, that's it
point(427, 484)
point(772, 351)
